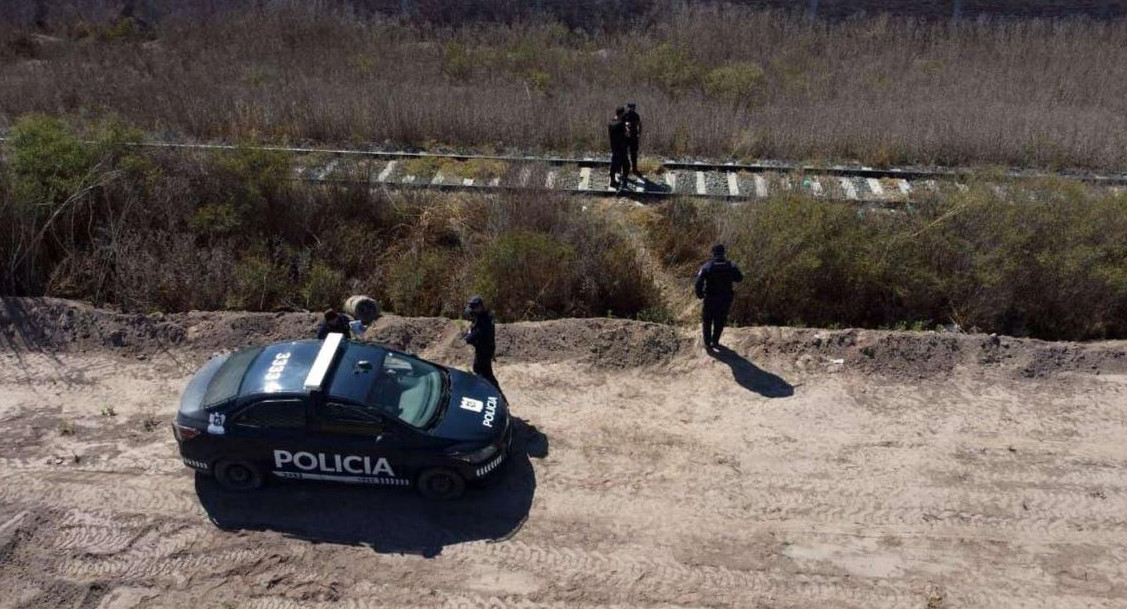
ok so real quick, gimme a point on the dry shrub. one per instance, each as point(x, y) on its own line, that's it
point(1050, 261)
point(683, 232)
point(481, 170)
point(425, 282)
point(877, 89)
point(740, 82)
point(547, 271)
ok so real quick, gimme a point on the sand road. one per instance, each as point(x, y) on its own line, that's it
point(801, 469)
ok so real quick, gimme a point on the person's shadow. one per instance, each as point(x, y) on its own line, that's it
point(647, 186)
point(752, 377)
point(387, 520)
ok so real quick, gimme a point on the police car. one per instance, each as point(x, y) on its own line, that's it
point(341, 411)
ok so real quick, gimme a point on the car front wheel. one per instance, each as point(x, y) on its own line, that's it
point(238, 475)
point(441, 484)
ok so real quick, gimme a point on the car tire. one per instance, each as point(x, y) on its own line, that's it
point(238, 475)
point(440, 484)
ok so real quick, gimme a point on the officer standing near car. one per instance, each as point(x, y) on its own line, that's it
point(334, 321)
point(619, 167)
point(633, 134)
point(482, 338)
point(714, 286)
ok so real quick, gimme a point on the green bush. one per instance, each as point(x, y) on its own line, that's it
point(809, 263)
point(47, 163)
point(1053, 265)
point(215, 219)
point(457, 63)
point(424, 282)
point(740, 82)
point(248, 182)
point(259, 285)
point(623, 287)
point(324, 287)
point(671, 67)
point(526, 275)
point(683, 232)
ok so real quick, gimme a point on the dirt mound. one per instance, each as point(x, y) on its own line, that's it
point(612, 343)
point(63, 325)
point(923, 354)
point(60, 325)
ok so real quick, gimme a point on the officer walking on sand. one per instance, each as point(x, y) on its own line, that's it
point(714, 285)
point(482, 338)
point(633, 134)
point(619, 164)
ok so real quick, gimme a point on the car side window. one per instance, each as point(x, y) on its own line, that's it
point(272, 414)
point(353, 413)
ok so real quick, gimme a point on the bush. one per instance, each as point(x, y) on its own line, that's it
point(740, 82)
point(48, 163)
point(424, 282)
point(249, 180)
point(481, 170)
point(526, 275)
point(324, 287)
point(1052, 266)
point(259, 285)
point(806, 262)
point(683, 232)
point(671, 67)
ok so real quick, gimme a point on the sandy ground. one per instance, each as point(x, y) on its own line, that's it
point(800, 469)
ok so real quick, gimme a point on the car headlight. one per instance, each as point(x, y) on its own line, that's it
point(477, 455)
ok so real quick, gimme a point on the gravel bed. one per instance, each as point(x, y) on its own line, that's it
point(686, 182)
point(746, 182)
point(715, 183)
point(374, 170)
point(567, 177)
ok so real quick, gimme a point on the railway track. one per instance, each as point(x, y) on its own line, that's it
point(588, 176)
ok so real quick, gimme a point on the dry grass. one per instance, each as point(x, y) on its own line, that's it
point(722, 82)
point(1050, 263)
point(162, 230)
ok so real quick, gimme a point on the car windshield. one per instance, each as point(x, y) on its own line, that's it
point(397, 384)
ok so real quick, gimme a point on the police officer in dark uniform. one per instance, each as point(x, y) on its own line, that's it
point(334, 322)
point(714, 285)
point(619, 164)
point(633, 134)
point(482, 338)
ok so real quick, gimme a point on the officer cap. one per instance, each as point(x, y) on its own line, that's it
point(631, 105)
point(476, 301)
point(718, 249)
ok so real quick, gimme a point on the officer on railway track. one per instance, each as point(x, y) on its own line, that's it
point(633, 134)
point(619, 164)
point(482, 337)
point(714, 285)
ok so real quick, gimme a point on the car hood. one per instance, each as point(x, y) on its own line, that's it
point(476, 412)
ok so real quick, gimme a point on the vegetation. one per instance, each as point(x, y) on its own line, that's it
point(719, 80)
point(1052, 266)
point(85, 214)
point(159, 230)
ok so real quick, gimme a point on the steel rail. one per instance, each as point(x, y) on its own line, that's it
point(834, 170)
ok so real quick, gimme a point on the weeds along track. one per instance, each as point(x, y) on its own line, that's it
point(588, 176)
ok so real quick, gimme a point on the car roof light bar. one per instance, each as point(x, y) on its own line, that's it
point(325, 356)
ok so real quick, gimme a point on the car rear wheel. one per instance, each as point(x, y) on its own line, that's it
point(441, 484)
point(238, 475)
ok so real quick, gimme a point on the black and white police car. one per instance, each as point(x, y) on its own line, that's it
point(341, 411)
